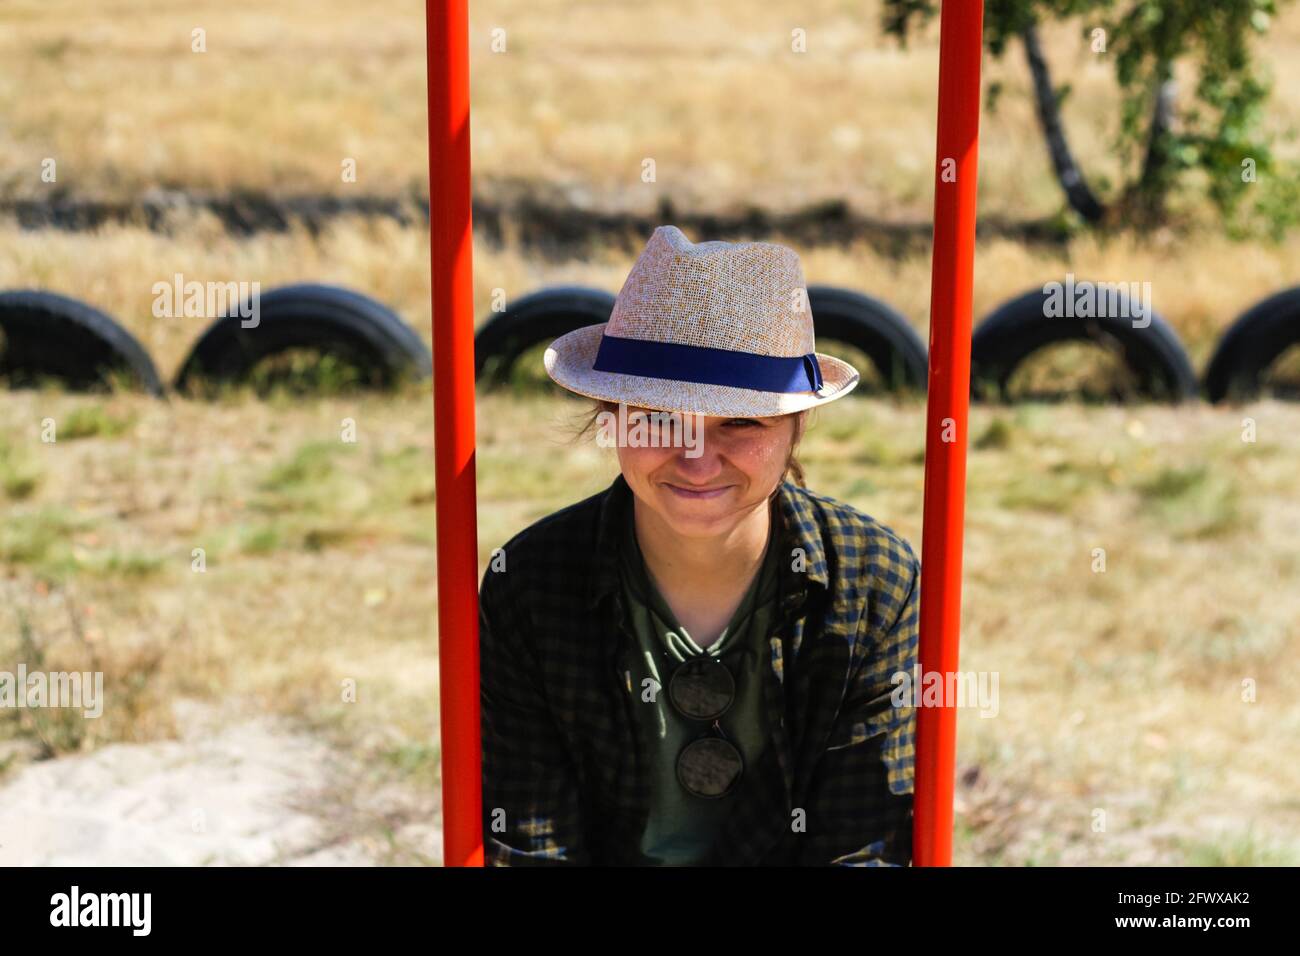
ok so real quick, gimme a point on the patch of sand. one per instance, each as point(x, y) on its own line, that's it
point(254, 792)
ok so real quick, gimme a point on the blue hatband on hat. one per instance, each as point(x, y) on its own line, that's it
point(708, 366)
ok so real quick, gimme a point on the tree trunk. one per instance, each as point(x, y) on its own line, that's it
point(1077, 192)
point(1152, 187)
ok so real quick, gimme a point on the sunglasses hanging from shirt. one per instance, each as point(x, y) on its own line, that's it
point(702, 688)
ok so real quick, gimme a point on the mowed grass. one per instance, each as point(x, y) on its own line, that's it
point(1121, 690)
point(262, 556)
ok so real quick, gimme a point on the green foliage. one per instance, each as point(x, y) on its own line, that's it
point(38, 538)
point(19, 475)
point(996, 436)
point(1194, 502)
point(92, 421)
point(1218, 126)
point(1247, 848)
point(298, 372)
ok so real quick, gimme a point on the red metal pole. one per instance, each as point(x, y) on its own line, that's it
point(956, 162)
point(451, 230)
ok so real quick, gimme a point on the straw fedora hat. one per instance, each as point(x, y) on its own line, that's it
point(710, 328)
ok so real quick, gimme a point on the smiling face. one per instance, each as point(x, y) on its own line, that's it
point(741, 462)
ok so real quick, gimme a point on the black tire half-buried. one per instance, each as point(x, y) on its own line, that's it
point(48, 335)
point(1016, 329)
point(538, 318)
point(878, 330)
point(326, 318)
point(1251, 344)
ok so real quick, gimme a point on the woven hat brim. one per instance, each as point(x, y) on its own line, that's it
point(569, 359)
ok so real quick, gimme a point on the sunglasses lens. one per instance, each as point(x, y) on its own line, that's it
point(709, 767)
point(702, 688)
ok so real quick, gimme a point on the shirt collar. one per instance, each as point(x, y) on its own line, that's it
point(799, 529)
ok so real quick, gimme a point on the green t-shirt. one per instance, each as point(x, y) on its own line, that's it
point(681, 826)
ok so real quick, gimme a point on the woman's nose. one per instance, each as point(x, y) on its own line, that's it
point(699, 464)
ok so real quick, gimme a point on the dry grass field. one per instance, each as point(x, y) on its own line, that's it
point(1120, 691)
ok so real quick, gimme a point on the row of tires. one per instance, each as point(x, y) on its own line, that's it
point(47, 335)
point(50, 336)
point(1156, 363)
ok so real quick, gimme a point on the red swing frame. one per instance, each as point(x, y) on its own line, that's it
point(451, 226)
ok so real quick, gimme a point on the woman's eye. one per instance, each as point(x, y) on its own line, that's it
point(741, 422)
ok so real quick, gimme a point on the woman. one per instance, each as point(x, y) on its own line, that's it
point(695, 666)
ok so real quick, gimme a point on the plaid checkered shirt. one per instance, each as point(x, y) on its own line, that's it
point(564, 778)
